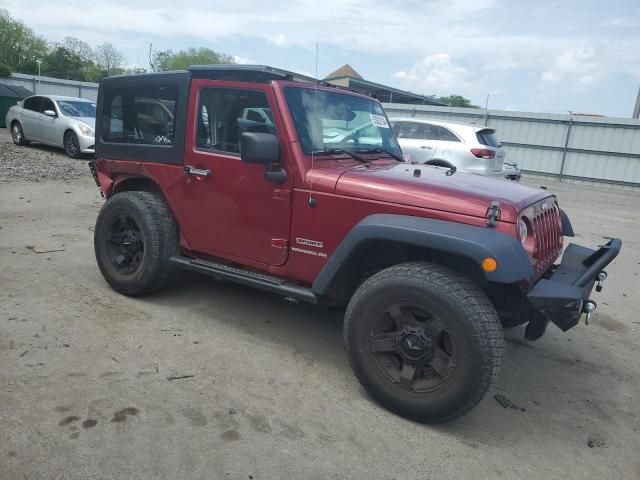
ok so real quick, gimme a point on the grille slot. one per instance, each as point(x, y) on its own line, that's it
point(547, 233)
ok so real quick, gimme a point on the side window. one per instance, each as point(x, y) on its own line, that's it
point(225, 114)
point(32, 103)
point(446, 135)
point(426, 131)
point(143, 115)
point(47, 104)
point(407, 130)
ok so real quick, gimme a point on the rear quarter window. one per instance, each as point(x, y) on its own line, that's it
point(445, 134)
point(140, 115)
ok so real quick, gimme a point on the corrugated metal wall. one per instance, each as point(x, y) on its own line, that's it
point(53, 86)
point(600, 149)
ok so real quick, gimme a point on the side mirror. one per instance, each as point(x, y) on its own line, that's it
point(50, 113)
point(258, 147)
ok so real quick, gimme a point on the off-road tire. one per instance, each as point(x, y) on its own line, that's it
point(513, 321)
point(160, 238)
point(71, 144)
point(461, 305)
point(17, 134)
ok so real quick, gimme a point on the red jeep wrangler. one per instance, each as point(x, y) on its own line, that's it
point(269, 179)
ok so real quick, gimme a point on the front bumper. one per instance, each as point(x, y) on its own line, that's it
point(87, 143)
point(560, 295)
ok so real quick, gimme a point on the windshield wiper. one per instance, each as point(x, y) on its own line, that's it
point(382, 150)
point(333, 151)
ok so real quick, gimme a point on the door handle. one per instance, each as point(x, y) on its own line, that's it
point(200, 172)
point(426, 147)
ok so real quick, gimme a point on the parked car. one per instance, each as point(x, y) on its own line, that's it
point(512, 171)
point(469, 148)
point(427, 262)
point(66, 122)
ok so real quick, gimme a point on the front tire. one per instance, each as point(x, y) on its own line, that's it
point(425, 342)
point(71, 144)
point(17, 134)
point(135, 236)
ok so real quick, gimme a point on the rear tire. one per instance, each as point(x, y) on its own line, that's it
point(425, 342)
point(135, 236)
point(17, 134)
point(71, 144)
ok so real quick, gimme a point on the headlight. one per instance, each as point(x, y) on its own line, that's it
point(523, 231)
point(86, 130)
point(526, 234)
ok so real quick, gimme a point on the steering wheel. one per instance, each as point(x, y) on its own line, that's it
point(352, 137)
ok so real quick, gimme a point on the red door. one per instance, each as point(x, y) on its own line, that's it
point(231, 210)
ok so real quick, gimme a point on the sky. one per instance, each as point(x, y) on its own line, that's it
point(541, 56)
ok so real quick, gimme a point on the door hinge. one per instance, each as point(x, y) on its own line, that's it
point(280, 243)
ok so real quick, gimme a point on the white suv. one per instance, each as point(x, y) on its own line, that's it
point(469, 148)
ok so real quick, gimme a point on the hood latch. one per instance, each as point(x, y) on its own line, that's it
point(493, 214)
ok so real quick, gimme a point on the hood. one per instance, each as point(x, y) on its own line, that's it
point(431, 188)
point(91, 121)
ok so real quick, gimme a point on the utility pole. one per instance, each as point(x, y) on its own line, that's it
point(486, 110)
point(636, 110)
point(39, 62)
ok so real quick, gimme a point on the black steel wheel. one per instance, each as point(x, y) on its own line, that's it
point(413, 348)
point(125, 244)
point(71, 144)
point(17, 134)
point(424, 341)
point(134, 238)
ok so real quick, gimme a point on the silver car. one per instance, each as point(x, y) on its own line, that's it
point(469, 148)
point(65, 122)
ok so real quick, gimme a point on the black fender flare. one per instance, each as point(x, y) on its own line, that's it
point(473, 242)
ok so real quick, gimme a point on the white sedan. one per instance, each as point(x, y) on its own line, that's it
point(54, 120)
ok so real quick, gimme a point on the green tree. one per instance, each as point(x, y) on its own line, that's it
point(61, 62)
point(19, 46)
point(165, 60)
point(79, 48)
point(456, 101)
point(109, 59)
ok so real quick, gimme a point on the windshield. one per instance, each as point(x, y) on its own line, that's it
point(341, 121)
point(77, 109)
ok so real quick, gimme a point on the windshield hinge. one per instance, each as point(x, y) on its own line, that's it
point(493, 214)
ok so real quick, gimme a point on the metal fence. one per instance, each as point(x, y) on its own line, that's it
point(573, 147)
point(53, 86)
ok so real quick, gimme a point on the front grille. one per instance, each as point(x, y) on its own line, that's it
point(547, 231)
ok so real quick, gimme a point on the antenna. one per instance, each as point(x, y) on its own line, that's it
point(312, 201)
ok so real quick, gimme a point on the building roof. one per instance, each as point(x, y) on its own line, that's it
point(347, 76)
point(345, 71)
point(13, 91)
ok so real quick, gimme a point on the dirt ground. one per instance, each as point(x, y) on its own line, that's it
point(86, 388)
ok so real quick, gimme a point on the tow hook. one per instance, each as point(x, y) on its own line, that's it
point(589, 307)
point(602, 276)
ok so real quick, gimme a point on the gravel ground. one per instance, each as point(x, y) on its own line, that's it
point(36, 163)
point(213, 380)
